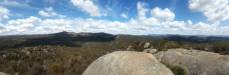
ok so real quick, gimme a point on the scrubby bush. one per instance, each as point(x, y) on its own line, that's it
point(177, 70)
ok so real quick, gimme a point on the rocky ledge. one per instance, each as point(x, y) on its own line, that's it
point(196, 62)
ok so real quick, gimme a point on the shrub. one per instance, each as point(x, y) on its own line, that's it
point(177, 70)
point(56, 68)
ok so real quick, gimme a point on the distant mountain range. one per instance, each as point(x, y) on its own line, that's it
point(75, 39)
point(61, 38)
point(194, 38)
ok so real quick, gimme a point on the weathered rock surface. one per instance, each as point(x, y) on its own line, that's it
point(127, 63)
point(149, 50)
point(196, 62)
point(1, 73)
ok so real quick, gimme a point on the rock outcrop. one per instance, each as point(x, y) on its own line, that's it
point(127, 63)
point(196, 62)
point(1, 73)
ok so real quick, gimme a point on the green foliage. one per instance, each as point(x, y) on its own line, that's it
point(55, 68)
point(171, 44)
point(177, 70)
point(220, 46)
point(163, 45)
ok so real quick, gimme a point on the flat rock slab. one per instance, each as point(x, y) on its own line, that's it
point(127, 63)
point(196, 62)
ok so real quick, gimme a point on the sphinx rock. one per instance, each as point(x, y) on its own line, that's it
point(196, 62)
point(127, 63)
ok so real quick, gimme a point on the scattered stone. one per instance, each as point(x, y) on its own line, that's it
point(127, 63)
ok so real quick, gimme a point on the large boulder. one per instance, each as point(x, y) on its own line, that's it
point(127, 63)
point(196, 62)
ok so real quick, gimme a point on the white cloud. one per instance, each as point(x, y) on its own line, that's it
point(49, 12)
point(34, 25)
point(22, 25)
point(13, 3)
point(4, 13)
point(141, 10)
point(214, 10)
point(87, 6)
point(123, 15)
point(1, 28)
point(139, 25)
point(163, 14)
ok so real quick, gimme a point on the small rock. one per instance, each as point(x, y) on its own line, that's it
point(4, 56)
point(28, 53)
point(146, 45)
point(150, 50)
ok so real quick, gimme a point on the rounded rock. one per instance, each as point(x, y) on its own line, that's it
point(127, 63)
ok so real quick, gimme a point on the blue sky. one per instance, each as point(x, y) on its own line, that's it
point(189, 17)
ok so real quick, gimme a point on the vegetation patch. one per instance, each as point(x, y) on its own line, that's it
point(177, 70)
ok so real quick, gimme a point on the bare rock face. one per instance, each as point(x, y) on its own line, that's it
point(1, 73)
point(196, 62)
point(127, 63)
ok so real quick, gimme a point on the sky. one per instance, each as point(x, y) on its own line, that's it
point(136, 17)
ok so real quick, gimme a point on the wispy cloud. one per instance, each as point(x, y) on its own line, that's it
point(124, 15)
point(87, 6)
point(49, 12)
point(214, 10)
point(4, 13)
point(15, 4)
